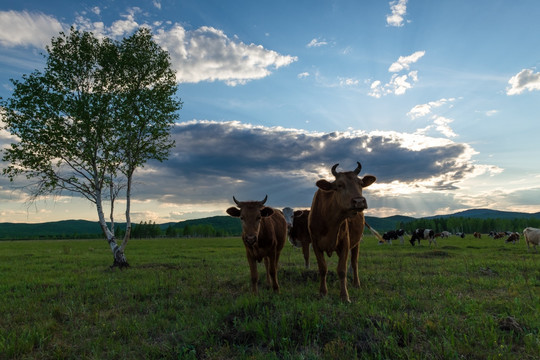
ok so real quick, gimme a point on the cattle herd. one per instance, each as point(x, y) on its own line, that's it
point(334, 223)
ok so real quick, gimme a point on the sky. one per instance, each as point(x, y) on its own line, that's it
point(440, 100)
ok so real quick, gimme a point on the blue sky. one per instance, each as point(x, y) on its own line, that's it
point(440, 100)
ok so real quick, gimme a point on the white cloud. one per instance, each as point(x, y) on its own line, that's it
point(442, 125)
point(127, 25)
point(425, 109)
point(526, 79)
point(208, 54)
point(317, 43)
point(398, 84)
point(303, 75)
point(348, 82)
point(157, 4)
point(404, 62)
point(96, 10)
point(399, 9)
point(23, 28)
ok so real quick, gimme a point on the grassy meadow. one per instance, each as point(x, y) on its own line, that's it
point(190, 299)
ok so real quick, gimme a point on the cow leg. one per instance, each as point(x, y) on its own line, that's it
point(354, 265)
point(271, 272)
point(342, 275)
point(305, 251)
point(323, 270)
point(254, 274)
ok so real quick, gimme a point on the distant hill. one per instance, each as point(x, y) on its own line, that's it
point(387, 223)
point(66, 228)
point(489, 214)
point(228, 224)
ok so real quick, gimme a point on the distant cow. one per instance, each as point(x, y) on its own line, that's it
point(423, 234)
point(497, 234)
point(264, 232)
point(336, 223)
point(445, 234)
point(394, 235)
point(461, 235)
point(299, 233)
point(532, 237)
point(477, 235)
point(513, 238)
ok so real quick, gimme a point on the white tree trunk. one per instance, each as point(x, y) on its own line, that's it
point(118, 253)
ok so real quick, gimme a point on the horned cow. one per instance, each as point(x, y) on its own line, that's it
point(336, 224)
point(264, 232)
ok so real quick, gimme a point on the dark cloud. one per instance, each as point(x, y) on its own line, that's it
point(213, 161)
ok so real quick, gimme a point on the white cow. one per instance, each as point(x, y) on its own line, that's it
point(532, 237)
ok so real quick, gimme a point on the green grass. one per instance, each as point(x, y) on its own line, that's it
point(190, 299)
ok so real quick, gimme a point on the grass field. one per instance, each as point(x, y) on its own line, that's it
point(190, 299)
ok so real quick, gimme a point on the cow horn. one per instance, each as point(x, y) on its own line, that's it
point(358, 168)
point(334, 172)
point(236, 201)
point(264, 200)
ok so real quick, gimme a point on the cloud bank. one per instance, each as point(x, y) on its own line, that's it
point(203, 54)
point(213, 161)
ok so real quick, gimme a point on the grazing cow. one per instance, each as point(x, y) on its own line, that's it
point(264, 232)
point(445, 234)
point(461, 235)
point(477, 235)
point(532, 237)
point(513, 238)
point(423, 234)
point(299, 233)
point(336, 223)
point(394, 235)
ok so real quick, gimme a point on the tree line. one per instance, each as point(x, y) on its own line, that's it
point(470, 225)
point(151, 230)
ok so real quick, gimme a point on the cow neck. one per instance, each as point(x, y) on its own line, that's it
point(334, 215)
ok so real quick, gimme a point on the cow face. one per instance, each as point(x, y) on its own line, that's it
point(348, 189)
point(288, 213)
point(251, 214)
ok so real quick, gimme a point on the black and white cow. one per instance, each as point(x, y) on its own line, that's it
point(423, 234)
point(394, 235)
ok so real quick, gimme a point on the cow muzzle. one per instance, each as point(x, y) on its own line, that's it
point(250, 239)
point(359, 204)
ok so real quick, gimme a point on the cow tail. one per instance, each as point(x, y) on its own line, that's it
point(374, 232)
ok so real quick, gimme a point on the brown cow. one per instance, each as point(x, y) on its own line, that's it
point(264, 232)
point(299, 233)
point(477, 235)
point(336, 223)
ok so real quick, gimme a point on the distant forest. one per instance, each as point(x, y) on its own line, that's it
point(470, 225)
point(224, 226)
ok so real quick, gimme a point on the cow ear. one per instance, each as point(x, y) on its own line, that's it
point(368, 180)
point(234, 212)
point(298, 213)
point(325, 185)
point(266, 211)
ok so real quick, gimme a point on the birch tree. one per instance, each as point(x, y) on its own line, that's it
point(98, 111)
